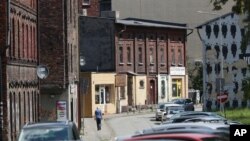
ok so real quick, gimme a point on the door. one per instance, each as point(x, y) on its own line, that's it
point(152, 95)
point(176, 88)
point(102, 95)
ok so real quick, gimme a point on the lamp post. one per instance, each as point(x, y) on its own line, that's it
point(221, 59)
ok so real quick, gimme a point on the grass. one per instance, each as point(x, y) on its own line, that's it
point(241, 115)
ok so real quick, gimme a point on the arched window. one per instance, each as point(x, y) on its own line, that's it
point(129, 54)
point(120, 54)
point(140, 54)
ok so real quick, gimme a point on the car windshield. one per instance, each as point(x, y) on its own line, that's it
point(44, 134)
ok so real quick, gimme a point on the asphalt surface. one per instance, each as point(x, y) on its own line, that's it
point(107, 133)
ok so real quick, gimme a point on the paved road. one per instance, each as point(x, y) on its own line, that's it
point(119, 125)
point(127, 125)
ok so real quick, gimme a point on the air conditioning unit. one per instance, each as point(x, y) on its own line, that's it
point(84, 12)
point(111, 14)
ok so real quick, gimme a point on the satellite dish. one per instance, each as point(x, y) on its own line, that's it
point(42, 71)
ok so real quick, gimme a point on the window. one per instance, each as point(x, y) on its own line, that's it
point(86, 2)
point(107, 94)
point(163, 89)
point(179, 56)
point(140, 54)
point(103, 94)
point(142, 83)
point(121, 54)
point(105, 5)
point(129, 54)
point(176, 88)
point(162, 55)
point(151, 58)
point(173, 56)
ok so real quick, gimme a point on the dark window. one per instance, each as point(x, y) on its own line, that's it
point(121, 54)
point(105, 5)
point(162, 55)
point(180, 56)
point(173, 56)
point(140, 55)
point(129, 54)
point(151, 56)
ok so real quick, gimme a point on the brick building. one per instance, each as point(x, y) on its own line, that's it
point(59, 52)
point(19, 95)
point(131, 62)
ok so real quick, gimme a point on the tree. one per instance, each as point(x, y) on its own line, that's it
point(195, 76)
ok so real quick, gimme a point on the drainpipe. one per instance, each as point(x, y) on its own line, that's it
point(3, 102)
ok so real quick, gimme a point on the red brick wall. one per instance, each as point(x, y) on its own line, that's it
point(93, 9)
point(52, 39)
point(146, 38)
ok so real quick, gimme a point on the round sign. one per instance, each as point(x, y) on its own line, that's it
point(42, 71)
point(222, 97)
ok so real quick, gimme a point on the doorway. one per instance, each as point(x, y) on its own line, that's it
point(152, 95)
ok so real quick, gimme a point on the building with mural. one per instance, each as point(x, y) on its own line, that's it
point(131, 62)
point(225, 62)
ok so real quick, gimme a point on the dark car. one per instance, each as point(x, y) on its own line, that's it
point(184, 116)
point(49, 131)
point(186, 102)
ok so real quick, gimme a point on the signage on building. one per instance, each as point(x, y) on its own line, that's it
point(61, 110)
point(120, 80)
point(177, 71)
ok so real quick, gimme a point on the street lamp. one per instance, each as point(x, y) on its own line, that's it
point(221, 58)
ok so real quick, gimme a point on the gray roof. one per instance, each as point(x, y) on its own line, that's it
point(215, 19)
point(151, 23)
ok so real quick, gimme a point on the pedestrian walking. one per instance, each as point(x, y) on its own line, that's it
point(98, 118)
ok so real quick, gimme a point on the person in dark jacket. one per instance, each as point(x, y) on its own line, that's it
point(98, 118)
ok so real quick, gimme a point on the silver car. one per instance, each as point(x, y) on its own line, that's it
point(164, 109)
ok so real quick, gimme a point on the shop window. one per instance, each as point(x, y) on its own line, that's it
point(107, 94)
point(176, 88)
point(102, 94)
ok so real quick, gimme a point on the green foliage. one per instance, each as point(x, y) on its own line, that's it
point(195, 76)
point(239, 114)
point(246, 87)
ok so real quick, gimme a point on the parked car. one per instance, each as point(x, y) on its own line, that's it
point(187, 126)
point(176, 137)
point(185, 102)
point(164, 109)
point(184, 116)
point(49, 131)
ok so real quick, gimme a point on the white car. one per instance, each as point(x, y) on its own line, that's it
point(164, 109)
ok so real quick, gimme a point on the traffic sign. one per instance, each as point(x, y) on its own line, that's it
point(222, 97)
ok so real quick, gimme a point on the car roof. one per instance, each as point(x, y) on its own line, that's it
point(189, 125)
point(172, 104)
point(48, 124)
point(181, 136)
